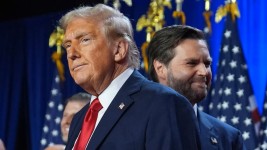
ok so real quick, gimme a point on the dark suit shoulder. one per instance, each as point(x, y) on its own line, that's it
point(163, 110)
point(222, 126)
point(138, 86)
point(159, 89)
point(228, 137)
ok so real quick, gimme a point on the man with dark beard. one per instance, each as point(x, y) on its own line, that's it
point(179, 58)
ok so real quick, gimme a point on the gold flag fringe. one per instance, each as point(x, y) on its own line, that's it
point(179, 15)
point(222, 11)
point(56, 38)
point(207, 15)
point(56, 57)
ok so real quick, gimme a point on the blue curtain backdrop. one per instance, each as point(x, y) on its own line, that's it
point(26, 68)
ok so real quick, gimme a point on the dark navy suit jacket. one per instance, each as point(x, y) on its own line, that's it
point(218, 135)
point(154, 117)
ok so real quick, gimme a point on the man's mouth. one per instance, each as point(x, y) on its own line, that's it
point(76, 67)
point(201, 84)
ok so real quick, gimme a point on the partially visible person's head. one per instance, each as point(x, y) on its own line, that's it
point(178, 57)
point(72, 106)
point(2, 146)
point(99, 44)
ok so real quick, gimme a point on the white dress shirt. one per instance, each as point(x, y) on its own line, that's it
point(106, 97)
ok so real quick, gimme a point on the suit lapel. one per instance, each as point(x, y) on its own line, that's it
point(78, 121)
point(208, 135)
point(118, 106)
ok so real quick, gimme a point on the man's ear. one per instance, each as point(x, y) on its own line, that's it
point(161, 71)
point(121, 50)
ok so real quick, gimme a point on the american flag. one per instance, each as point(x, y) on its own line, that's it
point(263, 127)
point(232, 100)
point(51, 129)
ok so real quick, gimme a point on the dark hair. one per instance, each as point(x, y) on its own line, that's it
point(79, 97)
point(164, 41)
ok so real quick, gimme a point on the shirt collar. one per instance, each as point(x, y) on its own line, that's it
point(195, 109)
point(106, 97)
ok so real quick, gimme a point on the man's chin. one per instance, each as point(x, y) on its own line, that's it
point(65, 138)
point(79, 81)
point(200, 95)
point(201, 90)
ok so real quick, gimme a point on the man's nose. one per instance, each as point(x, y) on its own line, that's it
point(202, 69)
point(73, 52)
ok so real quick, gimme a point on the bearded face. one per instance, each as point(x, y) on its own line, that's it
point(189, 72)
point(194, 89)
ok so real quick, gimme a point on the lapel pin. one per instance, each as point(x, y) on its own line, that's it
point(213, 140)
point(121, 106)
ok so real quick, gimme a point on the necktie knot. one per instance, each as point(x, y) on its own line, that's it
point(96, 105)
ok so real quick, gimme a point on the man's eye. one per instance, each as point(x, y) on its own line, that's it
point(192, 63)
point(66, 45)
point(85, 40)
point(208, 64)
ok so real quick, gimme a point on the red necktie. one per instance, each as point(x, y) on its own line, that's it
point(88, 125)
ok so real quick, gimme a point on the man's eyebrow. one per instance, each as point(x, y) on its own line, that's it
point(76, 36)
point(191, 59)
point(64, 42)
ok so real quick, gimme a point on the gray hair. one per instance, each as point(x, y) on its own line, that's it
point(115, 25)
